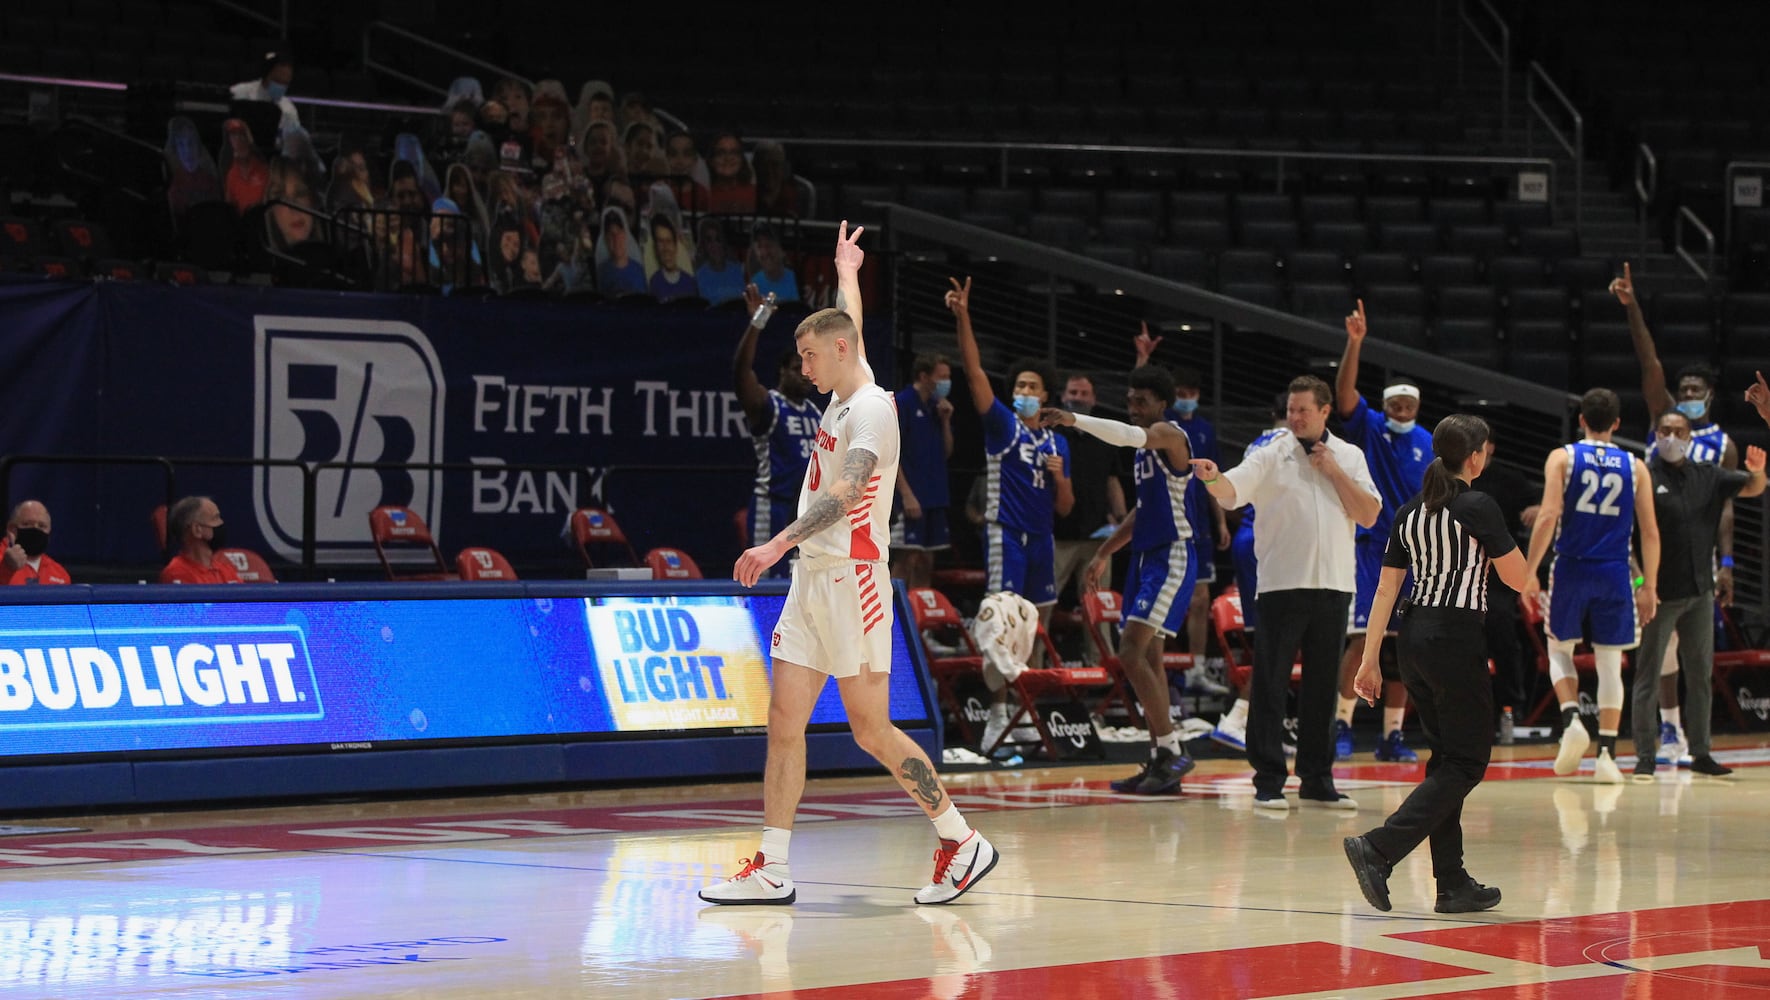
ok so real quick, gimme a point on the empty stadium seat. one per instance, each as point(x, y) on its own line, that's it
point(594, 530)
point(399, 531)
point(476, 562)
point(667, 563)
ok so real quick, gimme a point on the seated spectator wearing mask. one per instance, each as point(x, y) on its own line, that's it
point(22, 552)
point(272, 85)
point(194, 524)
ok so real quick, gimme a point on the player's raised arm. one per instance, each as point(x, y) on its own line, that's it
point(750, 392)
point(1653, 373)
point(958, 299)
point(1346, 383)
point(849, 257)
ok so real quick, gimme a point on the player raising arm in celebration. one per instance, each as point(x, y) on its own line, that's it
point(837, 621)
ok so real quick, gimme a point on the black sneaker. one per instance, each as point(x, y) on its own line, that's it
point(1371, 869)
point(1708, 765)
point(1469, 897)
point(1135, 781)
point(1644, 768)
point(1165, 770)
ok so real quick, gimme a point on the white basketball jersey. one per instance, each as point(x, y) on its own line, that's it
point(865, 420)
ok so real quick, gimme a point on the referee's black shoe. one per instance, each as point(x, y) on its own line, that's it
point(1371, 869)
point(1469, 897)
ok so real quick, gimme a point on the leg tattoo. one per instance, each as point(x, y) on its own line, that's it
point(927, 783)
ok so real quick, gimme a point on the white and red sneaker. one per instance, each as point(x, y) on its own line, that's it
point(759, 883)
point(959, 865)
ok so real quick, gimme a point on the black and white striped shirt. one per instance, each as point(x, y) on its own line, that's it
point(1449, 552)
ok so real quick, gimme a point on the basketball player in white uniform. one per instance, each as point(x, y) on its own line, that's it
point(838, 617)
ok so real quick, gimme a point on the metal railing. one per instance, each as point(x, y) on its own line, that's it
point(1574, 147)
point(279, 24)
point(1646, 187)
point(1500, 53)
point(1706, 273)
point(1277, 157)
point(373, 65)
point(1729, 175)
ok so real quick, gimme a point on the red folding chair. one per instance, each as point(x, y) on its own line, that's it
point(1100, 612)
point(397, 530)
point(476, 562)
point(1739, 656)
point(594, 527)
point(671, 564)
point(250, 566)
point(938, 621)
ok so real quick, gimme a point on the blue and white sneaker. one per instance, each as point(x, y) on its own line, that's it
point(1342, 740)
point(1393, 750)
point(1231, 732)
point(1673, 750)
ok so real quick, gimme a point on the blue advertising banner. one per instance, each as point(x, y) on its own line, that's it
point(307, 666)
point(634, 407)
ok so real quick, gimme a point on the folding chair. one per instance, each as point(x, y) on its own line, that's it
point(593, 527)
point(250, 566)
point(1100, 611)
point(476, 562)
point(401, 529)
point(1738, 656)
point(938, 622)
point(671, 564)
point(1232, 636)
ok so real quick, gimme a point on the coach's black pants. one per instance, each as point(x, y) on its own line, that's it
point(1444, 665)
point(1314, 623)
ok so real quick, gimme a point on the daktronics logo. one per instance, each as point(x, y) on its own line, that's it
point(57, 680)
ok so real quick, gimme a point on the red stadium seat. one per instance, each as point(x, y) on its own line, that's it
point(157, 522)
point(1232, 636)
point(671, 564)
point(937, 621)
point(249, 565)
point(400, 529)
point(476, 562)
point(597, 529)
point(1739, 656)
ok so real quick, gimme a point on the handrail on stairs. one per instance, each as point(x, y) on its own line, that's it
point(1646, 186)
point(1574, 146)
point(1501, 53)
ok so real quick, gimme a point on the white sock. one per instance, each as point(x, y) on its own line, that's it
point(1170, 742)
point(1392, 719)
point(774, 845)
point(1345, 712)
point(950, 825)
point(1570, 704)
point(1238, 712)
point(1675, 716)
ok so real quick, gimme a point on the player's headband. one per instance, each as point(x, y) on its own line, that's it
point(1401, 389)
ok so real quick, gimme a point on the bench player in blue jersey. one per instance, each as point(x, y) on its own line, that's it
point(1398, 450)
point(1163, 565)
point(783, 427)
point(1026, 470)
point(1595, 494)
point(1694, 397)
point(925, 423)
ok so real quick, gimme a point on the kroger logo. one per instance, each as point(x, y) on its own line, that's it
point(67, 679)
point(1076, 733)
point(1759, 707)
point(344, 391)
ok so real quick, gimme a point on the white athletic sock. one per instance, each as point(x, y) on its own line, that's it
point(1675, 716)
point(950, 825)
point(1345, 712)
point(1570, 704)
point(1238, 712)
point(774, 844)
point(1170, 742)
point(1392, 719)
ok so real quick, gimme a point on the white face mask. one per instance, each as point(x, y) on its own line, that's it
point(1672, 448)
point(1401, 426)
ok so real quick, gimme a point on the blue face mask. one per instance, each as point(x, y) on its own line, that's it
point(1026, 406)
point(942, 387)
point(1401, 426)
point(275, 91)
point(1694, 409)
point(1186, 407)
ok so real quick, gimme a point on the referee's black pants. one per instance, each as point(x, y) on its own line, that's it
point(1292, 622)
point(1444, 665)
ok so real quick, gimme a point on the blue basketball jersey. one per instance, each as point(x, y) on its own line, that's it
point(1598, 507)
point(923, 456)
point(1161, 501)
point(1397, 461)
point(784, 450)
point(1018, 491)
point(1202, 435)
point(1708, 444)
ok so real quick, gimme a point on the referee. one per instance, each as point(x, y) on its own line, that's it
point(1448, 536)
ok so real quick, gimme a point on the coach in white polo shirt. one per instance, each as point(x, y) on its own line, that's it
point(1313, 491)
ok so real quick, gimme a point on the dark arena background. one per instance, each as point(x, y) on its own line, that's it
point(442, 306)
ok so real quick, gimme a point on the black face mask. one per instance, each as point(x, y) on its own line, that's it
point(34, 541)
point(1308, 444)
point(218, 537)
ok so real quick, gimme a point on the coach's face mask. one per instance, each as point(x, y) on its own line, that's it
point(1672, 448)
point(34, 541)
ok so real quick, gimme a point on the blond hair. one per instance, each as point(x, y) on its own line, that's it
point(826, 322)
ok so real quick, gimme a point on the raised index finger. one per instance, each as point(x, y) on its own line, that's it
point(842, 233)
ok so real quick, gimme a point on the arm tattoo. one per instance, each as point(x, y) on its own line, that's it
point(857, 470)
point(927, 783)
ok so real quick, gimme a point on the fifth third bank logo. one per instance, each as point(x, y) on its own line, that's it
point(344, 391)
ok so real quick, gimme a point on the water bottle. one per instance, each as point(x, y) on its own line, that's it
point(763, 312)
point(1507, 732)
